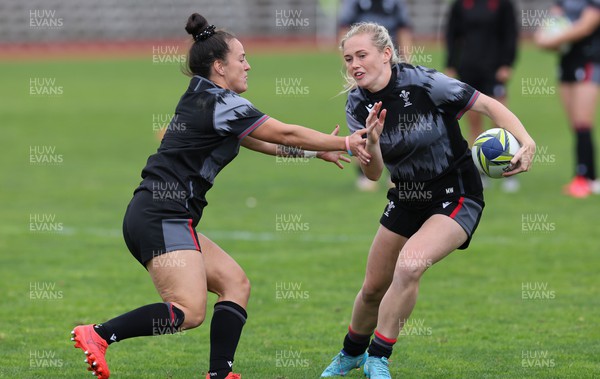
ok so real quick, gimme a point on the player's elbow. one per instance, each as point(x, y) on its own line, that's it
point(287, 136)
point(373, 177)
point(372, 174)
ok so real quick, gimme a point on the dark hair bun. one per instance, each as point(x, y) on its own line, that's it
point(195, 24)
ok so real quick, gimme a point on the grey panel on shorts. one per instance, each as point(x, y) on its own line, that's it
point(468, 215)
point(179, 235)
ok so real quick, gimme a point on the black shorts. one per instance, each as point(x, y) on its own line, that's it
point(573, 70)
point(152, 227)
point(484, 81)
point(407, 220)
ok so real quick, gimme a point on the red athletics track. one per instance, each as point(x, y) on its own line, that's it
point(141, 49)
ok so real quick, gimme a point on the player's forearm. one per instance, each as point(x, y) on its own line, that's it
point(275, 149)
point(259, 146)
point(310, 139)
point(374, 168)
point(277, 132)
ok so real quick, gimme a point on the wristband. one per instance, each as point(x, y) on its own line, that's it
point(348, 146)
point(310, 154)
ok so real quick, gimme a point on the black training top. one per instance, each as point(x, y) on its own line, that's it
point(421, 139)
point(203, 137)
point(587, 49)
point(481, 35)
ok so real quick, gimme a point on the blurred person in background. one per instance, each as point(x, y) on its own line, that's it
point(579, 75)
point(211, 122)
point(481, 44)
point(395, 17)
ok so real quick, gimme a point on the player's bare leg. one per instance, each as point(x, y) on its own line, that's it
point(566, 97)
point(580, 100)
point(381, 261)
point(438, 237)
point(180, 279)
point(227, 279)
point(585, 95)
point(380, 269)
point(224, 275)
point(181, 282)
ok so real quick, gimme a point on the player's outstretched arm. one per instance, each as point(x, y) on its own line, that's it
point(277, 132)
point(505, 119)
point(335, 157)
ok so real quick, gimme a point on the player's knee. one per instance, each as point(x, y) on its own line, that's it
point(410, 270)
point(194, 320)
point(237, 288)
point(194, 316)
point(371, 294)
point(244, 287)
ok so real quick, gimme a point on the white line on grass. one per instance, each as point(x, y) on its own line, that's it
point(246, 235)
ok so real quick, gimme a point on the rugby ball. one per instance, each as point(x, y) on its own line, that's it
point(493, 150)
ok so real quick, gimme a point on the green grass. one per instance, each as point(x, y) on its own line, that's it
point(476, 323)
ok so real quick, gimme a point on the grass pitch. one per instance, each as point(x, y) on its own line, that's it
point(521, 302)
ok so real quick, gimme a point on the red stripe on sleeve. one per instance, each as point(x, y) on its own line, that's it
point(258, 123)
point(469, 105)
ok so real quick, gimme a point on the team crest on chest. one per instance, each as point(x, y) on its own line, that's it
point(404, 95)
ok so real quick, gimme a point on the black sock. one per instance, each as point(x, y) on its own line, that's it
point(585, 153)
point(381, 346)
point(149, 320)
point(355, 344)
point(225, 331)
